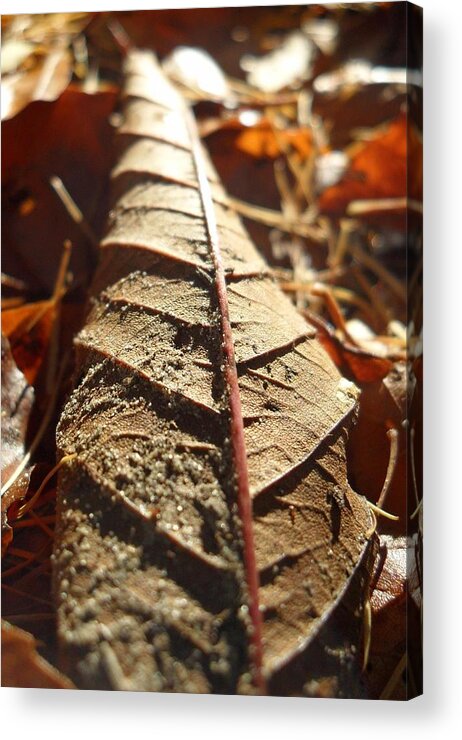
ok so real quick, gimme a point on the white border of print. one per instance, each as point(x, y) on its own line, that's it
point(36, 714)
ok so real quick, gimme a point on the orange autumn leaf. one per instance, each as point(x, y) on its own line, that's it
point(362, 365)
point(387, 166)
point(263, 140)
point(28, 329)
point(23, 666)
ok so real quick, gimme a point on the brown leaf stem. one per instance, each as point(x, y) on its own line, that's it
point(235, 409)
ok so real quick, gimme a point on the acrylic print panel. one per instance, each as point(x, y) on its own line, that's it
point(211, 354)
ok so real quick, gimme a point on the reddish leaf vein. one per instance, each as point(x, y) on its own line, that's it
point(236, 420)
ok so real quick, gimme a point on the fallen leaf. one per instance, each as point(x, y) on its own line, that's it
point(264, 141)
point(37, 62)
point(394, 617)
point(256, 136)
point(28, 329)
point(46, 81)
point(15, 494)
point(389, 165)
point(363, 366)
point(72, 145)
point(209, 428)
point(384, 405)
point(17, 402)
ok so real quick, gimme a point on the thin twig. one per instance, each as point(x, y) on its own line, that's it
point(393, 438)
point(58, 292)
point(275, 219)
point(361, 207)
point(325, 292)
point(374, 266)
point(49, 616)
point(377, 303)
point(72, 209)
point(381, 512)
point(33, 557)
point(8, 281)
point(367, 622)
point(417, 509)
point(31, 523)
point(29, 504)
point(24, 594)
point(347, 226)
point(394, 678)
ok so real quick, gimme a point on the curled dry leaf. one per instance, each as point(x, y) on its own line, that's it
point(364, 366)
point(395, 617)
point(207, 535)
point(23, 667)
point(17, 403)
point(37, 63)
point(16, 492)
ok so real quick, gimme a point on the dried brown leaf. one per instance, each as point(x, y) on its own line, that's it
point(395, 617)
point(45, 82)
point(384, 405)
point(208, 538)
point(17, 401)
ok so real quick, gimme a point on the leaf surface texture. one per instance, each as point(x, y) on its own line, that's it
point(207, 532)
